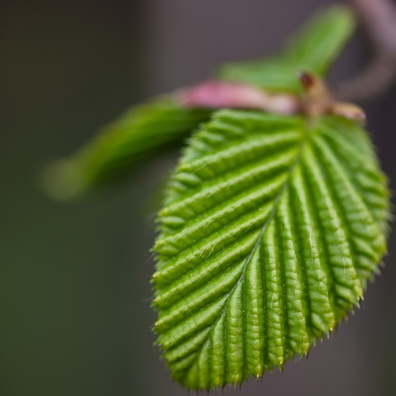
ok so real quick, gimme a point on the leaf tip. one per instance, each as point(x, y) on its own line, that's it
point(61, 181)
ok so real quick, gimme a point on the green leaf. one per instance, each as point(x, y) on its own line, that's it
point(141, 133)
point(314, 49)
point(272, 228)
point(274, 74)
point(321, 41)
point(146, 130)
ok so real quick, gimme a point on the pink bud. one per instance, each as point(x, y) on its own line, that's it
point(222, 94)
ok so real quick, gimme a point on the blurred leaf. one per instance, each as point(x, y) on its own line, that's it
point(321, 41)
point(272, 228)
point(139, 134)
point(314, 50)
point(149, 129)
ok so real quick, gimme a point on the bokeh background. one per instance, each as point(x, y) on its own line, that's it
point(75, 310)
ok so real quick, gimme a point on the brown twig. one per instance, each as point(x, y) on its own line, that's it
point(378, 17)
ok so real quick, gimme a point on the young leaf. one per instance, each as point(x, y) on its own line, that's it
point(272, 227)
point(314, 49)
point(139, 134)
point(148, 129)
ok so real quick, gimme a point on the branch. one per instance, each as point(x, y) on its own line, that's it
point(378, 17)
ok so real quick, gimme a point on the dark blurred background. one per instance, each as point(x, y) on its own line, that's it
point(75, 310)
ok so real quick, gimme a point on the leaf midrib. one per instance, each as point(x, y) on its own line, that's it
point(308, 132)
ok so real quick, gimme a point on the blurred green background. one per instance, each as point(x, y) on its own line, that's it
point(75, 310)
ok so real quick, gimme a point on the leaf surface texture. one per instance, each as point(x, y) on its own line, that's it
point(271, 229)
